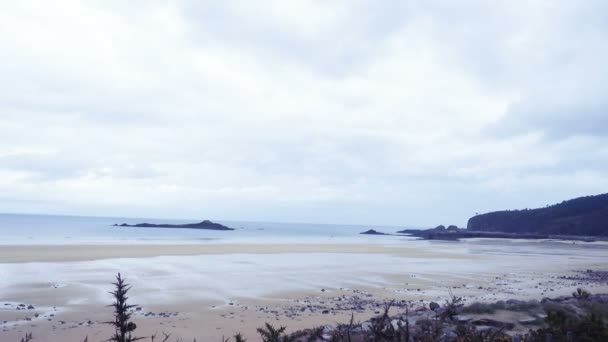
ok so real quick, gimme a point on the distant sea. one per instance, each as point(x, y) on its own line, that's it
point(50, 229)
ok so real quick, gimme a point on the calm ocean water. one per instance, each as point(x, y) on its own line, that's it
point(47, 229)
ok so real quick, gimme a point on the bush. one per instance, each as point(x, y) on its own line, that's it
point(123, 327)
point(581, 294)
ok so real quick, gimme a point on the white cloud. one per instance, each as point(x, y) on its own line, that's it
point(352, 111)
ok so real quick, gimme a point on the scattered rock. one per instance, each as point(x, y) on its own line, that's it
point(434, 306)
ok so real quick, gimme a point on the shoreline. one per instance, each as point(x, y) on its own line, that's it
point(88, 252)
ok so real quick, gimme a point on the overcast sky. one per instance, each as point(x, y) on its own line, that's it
point(391, 112)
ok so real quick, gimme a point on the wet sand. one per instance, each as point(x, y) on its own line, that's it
point(63, 253)
point(212, 290)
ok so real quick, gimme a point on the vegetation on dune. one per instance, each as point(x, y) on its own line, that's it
point(581, 317)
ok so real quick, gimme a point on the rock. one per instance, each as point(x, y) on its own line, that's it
point(30, 307)
point(206, 224)
point(527, 321)
point(493, 323)
point(463, 318)
point(372, 232)
point(434, 306)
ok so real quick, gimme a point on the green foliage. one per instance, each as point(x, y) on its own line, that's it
point(564, 324)
point(239, 338)
point(27, 338)
point(581, 294)
point(123, 327)
point(271, 334)
point(579, 216)
point(452, 308)
point(467, 333)
point(315, 335)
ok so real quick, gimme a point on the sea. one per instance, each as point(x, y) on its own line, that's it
point(16, 229)
point(26, 229)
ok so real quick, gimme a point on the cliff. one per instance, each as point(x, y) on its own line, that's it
point(580, 216)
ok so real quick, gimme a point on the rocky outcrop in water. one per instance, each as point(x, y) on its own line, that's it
point(206, 224)
point(455, 234)
point(373, 232)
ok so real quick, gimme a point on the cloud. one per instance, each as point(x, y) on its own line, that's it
point(351, 111)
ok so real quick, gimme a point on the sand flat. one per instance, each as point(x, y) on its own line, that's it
point(65, 253)
point(267, 282)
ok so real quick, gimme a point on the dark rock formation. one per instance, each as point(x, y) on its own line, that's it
point(201, 225)
point(586, 216)
point(437, 233)
point(373, 232)
point(434, 306)
point(457, 234)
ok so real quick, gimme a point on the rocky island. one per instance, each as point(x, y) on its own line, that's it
point(206, 224)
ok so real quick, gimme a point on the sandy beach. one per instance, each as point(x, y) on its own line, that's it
point(210, 290)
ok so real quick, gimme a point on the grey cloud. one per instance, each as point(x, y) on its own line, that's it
point(555, 123)
point(346, 48)
point(43, 167)
point(60, 166)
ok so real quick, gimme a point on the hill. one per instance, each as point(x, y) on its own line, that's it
point(580, 216)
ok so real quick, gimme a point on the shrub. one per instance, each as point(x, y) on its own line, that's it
point(581, 294)
point(123, 327)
